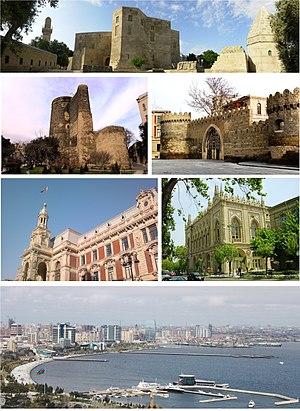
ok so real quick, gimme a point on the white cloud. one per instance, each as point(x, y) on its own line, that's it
point(249, 8)
point(95, 2)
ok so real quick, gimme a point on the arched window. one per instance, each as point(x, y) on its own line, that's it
point(25, 274)
point(217, 231)
point(269, 52)
point(253, 229)
point(258, 108)
point(235, 230)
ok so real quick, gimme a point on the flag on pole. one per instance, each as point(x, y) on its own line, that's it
point(41, 371)
point(44, 189)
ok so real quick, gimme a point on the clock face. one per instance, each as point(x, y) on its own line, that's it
point(145, 203)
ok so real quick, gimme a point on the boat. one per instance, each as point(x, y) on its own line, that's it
point(281, 362)
point(147, 386)
point(251, 404)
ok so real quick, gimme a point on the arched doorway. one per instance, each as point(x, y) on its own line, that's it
point(25, 273)
point(213, 144)
point(42, 272)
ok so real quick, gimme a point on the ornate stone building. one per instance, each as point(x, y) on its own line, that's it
point(125, 248)
point(248, 128)
point(72, 124)
point(229, 220)
point(133, 34)
point(262, 52)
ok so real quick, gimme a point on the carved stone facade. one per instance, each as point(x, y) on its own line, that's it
point(229, 220)
point(124, 248)
point(236, 133)
point(133, 34)
point(72, 124)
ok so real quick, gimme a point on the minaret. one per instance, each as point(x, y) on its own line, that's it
point(41, 235)
point(262, 51)
point(43, 217)
point(47, 30)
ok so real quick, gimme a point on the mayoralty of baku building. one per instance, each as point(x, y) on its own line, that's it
point(125, 248)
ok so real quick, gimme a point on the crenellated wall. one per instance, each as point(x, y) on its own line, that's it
point(233, 135)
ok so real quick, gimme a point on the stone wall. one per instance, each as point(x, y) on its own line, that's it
point(174, 133)
point(91, 49)
point(135, 34)
point(112, 140)
point(25, 58)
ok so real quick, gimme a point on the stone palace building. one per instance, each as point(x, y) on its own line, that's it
point(231, 220)
point(125, 248)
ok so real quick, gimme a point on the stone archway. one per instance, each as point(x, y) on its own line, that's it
point(41, 272)
point(57, 271)
point(212, 147)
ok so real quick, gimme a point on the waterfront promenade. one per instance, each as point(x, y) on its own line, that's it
point(22, 372)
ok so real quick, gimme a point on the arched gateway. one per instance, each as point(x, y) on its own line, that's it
point(212, 148)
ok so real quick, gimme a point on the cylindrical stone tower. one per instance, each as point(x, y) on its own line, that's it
point(60, 119)
point(174, 134)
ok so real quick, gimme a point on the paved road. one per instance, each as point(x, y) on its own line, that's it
point(209, 167)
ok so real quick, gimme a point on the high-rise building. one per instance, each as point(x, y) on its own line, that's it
point(150, 330)
point(112, 332)
point(63, 331)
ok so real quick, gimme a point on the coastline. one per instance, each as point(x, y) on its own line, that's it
point(22, 372)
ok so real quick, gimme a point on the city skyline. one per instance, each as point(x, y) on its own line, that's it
point(168, 305)
point(203, 24)
point(277, 190)
point(112, 100)
point(80, 204)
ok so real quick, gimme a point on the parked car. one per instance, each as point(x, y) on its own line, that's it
point(195, 276)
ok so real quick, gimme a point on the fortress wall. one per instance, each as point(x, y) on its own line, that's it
point(112, 140)
point(135, 34)
point(283, 110)
point(91, 49)
point(174, 133)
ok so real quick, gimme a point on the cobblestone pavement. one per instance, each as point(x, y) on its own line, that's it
point(210, 167)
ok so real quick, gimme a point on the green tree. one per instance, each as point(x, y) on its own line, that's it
point(42, 151)
point(138, 61)
point(59, 48)
point(17, 17)
point(208, 58)
point(197, 189)
point(167, 265)
point(226, 252)
point(264, 244)
point(180, 257)
point(285, 25)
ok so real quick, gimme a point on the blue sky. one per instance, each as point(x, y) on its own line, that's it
point(28, 100)
point(277, 190)
point(80, 204)
point(253, 305)
point(203, 24)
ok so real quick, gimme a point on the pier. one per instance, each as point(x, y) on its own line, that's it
point(285, 400)
point(80, 359)
point(252, 356)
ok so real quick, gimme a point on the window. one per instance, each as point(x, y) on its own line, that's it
point(6, 61)
point(158, 132)
point(31, 62)
point(95, 276)
point(95, 255)
point(125, 244)
point(117, 19)
point(144, 107)
point(39, 62)
point(145, 237)
point(108, 250)
point(129, 17)
point(158, 119)
point(110, 273)
point(258, 108)
point(153, 232)
point(116, 30)
point(269, 52)
point(253, 228)
point(217, 231)
point(21, 60)
point(82, 259)
point(158, 147)
point(235, 230)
